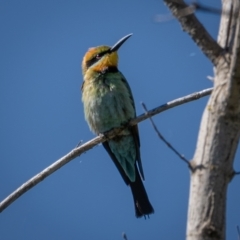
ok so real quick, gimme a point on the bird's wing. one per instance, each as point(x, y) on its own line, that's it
point(134, 130)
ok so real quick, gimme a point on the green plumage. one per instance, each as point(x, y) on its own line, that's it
point(108, 103)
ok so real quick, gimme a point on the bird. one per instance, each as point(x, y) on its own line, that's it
point(108, 103)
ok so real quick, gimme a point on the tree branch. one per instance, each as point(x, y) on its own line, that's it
point(92, 143)
point(218, 137)
point(195, 29)
point(238, 232)
point(124, 235)
point(181, 156)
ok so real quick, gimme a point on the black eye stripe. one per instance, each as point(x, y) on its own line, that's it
point(95, 58)
point(102, 53)
point(90, 62)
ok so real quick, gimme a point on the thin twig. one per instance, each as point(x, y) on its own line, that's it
point(238, 231)
point(92, 143)
point(165, 141)
point(191, 9)
point(124, 235)
point(204, 8)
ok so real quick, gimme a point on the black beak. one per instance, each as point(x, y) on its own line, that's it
point(117, 45)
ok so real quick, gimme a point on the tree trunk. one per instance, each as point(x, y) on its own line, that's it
point(218, 136)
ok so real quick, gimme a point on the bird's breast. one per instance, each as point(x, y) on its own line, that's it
point(107, 103)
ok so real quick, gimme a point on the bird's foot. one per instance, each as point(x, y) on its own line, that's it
point(105, 135)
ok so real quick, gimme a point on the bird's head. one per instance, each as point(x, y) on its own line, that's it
point(102, 57)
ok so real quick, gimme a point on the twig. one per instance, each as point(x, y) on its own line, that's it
point(171, 104)
point(124, 235)
point(165, 141)
point(92, 143)
point(191, 9)
point(204, 8)
point(238, 231)
point(195, 29)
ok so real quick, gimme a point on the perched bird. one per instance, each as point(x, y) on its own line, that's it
point(108, 103)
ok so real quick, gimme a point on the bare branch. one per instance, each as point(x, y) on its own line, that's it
point(165, 141)
point(195, 29)
point(238, 232)
point(171, 104)
point(205, 8)
point(124, 235)
point(92, 143)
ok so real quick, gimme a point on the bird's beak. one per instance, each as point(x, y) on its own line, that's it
point(117, 45)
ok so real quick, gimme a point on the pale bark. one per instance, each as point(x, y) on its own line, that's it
point(218, 137)
point(212, 165)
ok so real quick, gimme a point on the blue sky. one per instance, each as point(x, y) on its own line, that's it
point(42, 45)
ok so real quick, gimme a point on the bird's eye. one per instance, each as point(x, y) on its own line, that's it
point(98, 56)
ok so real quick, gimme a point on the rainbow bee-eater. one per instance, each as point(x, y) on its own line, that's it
point(108, 103)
